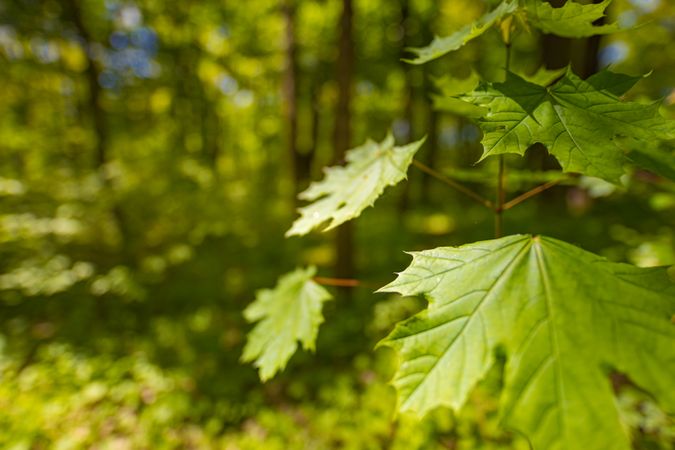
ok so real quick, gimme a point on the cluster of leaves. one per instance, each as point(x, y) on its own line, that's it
point(583, 123)
point(573, 20)
point(561, 316)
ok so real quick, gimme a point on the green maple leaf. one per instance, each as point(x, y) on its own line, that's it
point(442, 45)
point(288, 314)
point(346, 191)
point(572, 20)
point(543, 76)
point(451, 88)
point(583, 123)
point(563, 316)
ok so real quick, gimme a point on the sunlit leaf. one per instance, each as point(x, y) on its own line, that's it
point(543, 76)
point(288, 314)
point(442, 45)
point(347, 190)
point(572, 20)
point(563, 316)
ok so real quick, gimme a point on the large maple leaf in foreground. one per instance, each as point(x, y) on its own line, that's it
point(564, 317)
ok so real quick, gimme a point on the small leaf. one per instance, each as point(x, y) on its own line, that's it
point(581, 122)
point(288, 314)
point(442, 45)
point(572, 20)
point(346, 191)
point(562, 315)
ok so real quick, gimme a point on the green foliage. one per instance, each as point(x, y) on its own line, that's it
point(572, 20)
point(289, 313)
point(583, 123)
point(72, 401)
point(657, 157)
point(346, 191)
point(442, 45)
point(146, 180)
point(561, 315)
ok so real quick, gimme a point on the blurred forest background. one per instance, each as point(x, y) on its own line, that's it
point(150, 154)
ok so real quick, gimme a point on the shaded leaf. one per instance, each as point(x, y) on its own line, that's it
point(346, 191)
point(451, 87)
point(578, 121)
point(563, 317)
point(288, 314)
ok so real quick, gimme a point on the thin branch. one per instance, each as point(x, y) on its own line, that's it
point(453, 184)
point(501, 194)
point(339, 282)
point(531, 193)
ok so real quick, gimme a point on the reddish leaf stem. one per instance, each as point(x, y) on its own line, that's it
point(339, 282)
point(529, 194)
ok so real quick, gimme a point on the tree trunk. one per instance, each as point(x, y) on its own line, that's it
point(404, 200)
point(344, 264)
point(432, 150)
point(290, 89)
point(98, 115)
point(92, 73)
point(582, 54)
point(306, 159)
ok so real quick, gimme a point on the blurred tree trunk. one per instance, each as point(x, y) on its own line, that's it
point(344, 264)
point(433, 116)
point(315, 121)
point(98, 114)
point(404, 200)
point(210, 127)
point(582, 54)
point(92, 73)
point(290, 92)
point(432, 148)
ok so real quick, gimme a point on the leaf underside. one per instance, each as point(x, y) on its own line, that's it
point(583, 123)
point(346, 191)
point(288, 314)
point(562, 315)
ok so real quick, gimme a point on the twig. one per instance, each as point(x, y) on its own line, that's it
point(340, 282)
point(453, 184)
point(531, 193)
